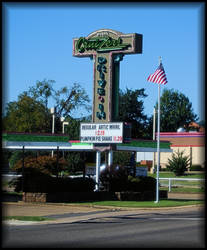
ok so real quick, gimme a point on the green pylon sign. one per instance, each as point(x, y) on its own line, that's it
point(106, 47)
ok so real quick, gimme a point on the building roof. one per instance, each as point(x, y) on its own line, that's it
point(198, 127)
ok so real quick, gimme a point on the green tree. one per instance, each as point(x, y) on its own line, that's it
point(31, 114)
point(73, 128)
point(42, 91)
point(26, 115)
point(66, 99)
point(175, 111)
point(131, 109)
point(179, 163)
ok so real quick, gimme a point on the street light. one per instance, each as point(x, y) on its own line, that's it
point(62, 119)
point(52, 111)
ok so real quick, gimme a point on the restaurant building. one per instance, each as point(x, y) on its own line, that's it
point(192, 143)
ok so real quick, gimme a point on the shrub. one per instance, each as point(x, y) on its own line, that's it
point(41, 183)
point(44, 164)
point(80, 184)
point(114, 178)
point(196, 167)
point(34, 181)
point(179, 163)
point(121, 158)
point(17, 157)
point(141, 184)
point(76, 162)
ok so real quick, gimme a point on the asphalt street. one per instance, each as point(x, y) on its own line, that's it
point(177, 228)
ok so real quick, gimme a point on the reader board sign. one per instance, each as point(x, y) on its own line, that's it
point(101, 132)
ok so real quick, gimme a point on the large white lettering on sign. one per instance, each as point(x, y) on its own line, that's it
point(101, 132)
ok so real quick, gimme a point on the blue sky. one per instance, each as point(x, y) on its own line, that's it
point(37, 45)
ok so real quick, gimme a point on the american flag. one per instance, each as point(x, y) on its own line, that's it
point(159, 76)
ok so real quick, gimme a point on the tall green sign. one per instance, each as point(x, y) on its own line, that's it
point(106, 47)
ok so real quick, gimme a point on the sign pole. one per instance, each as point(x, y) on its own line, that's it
point(110, 158)
point(98, 163)
point(158, 142)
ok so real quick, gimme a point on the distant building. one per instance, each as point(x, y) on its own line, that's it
point(193, 126)
point(144, 156)
point(192, 143)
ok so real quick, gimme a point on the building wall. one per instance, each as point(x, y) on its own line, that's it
point(193, 145)
point(198, 155)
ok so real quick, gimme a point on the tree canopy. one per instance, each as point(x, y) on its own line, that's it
point(175, 111)
point(26, 115)
point(66, 99)
point(30, 113)
point(131, 109)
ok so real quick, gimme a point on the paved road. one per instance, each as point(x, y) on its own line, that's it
point(180, 227)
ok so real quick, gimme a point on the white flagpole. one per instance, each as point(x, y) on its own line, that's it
point(153, 163)
point(158, 142)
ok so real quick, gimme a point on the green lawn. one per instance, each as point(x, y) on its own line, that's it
point(179, 186)
point(25, 218)
point(172, 175)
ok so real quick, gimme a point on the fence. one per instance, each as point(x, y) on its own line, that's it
point(197, 180)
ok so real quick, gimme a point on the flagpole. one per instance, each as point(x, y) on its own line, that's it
point(160, 78)
point(158, 142)
point(153, 138)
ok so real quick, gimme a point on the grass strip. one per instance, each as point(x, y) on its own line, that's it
point(25, 218)
point(172, 175)
point(144, 204)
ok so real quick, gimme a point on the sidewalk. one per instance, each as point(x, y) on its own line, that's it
point(43, 209)
point(68, 213)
